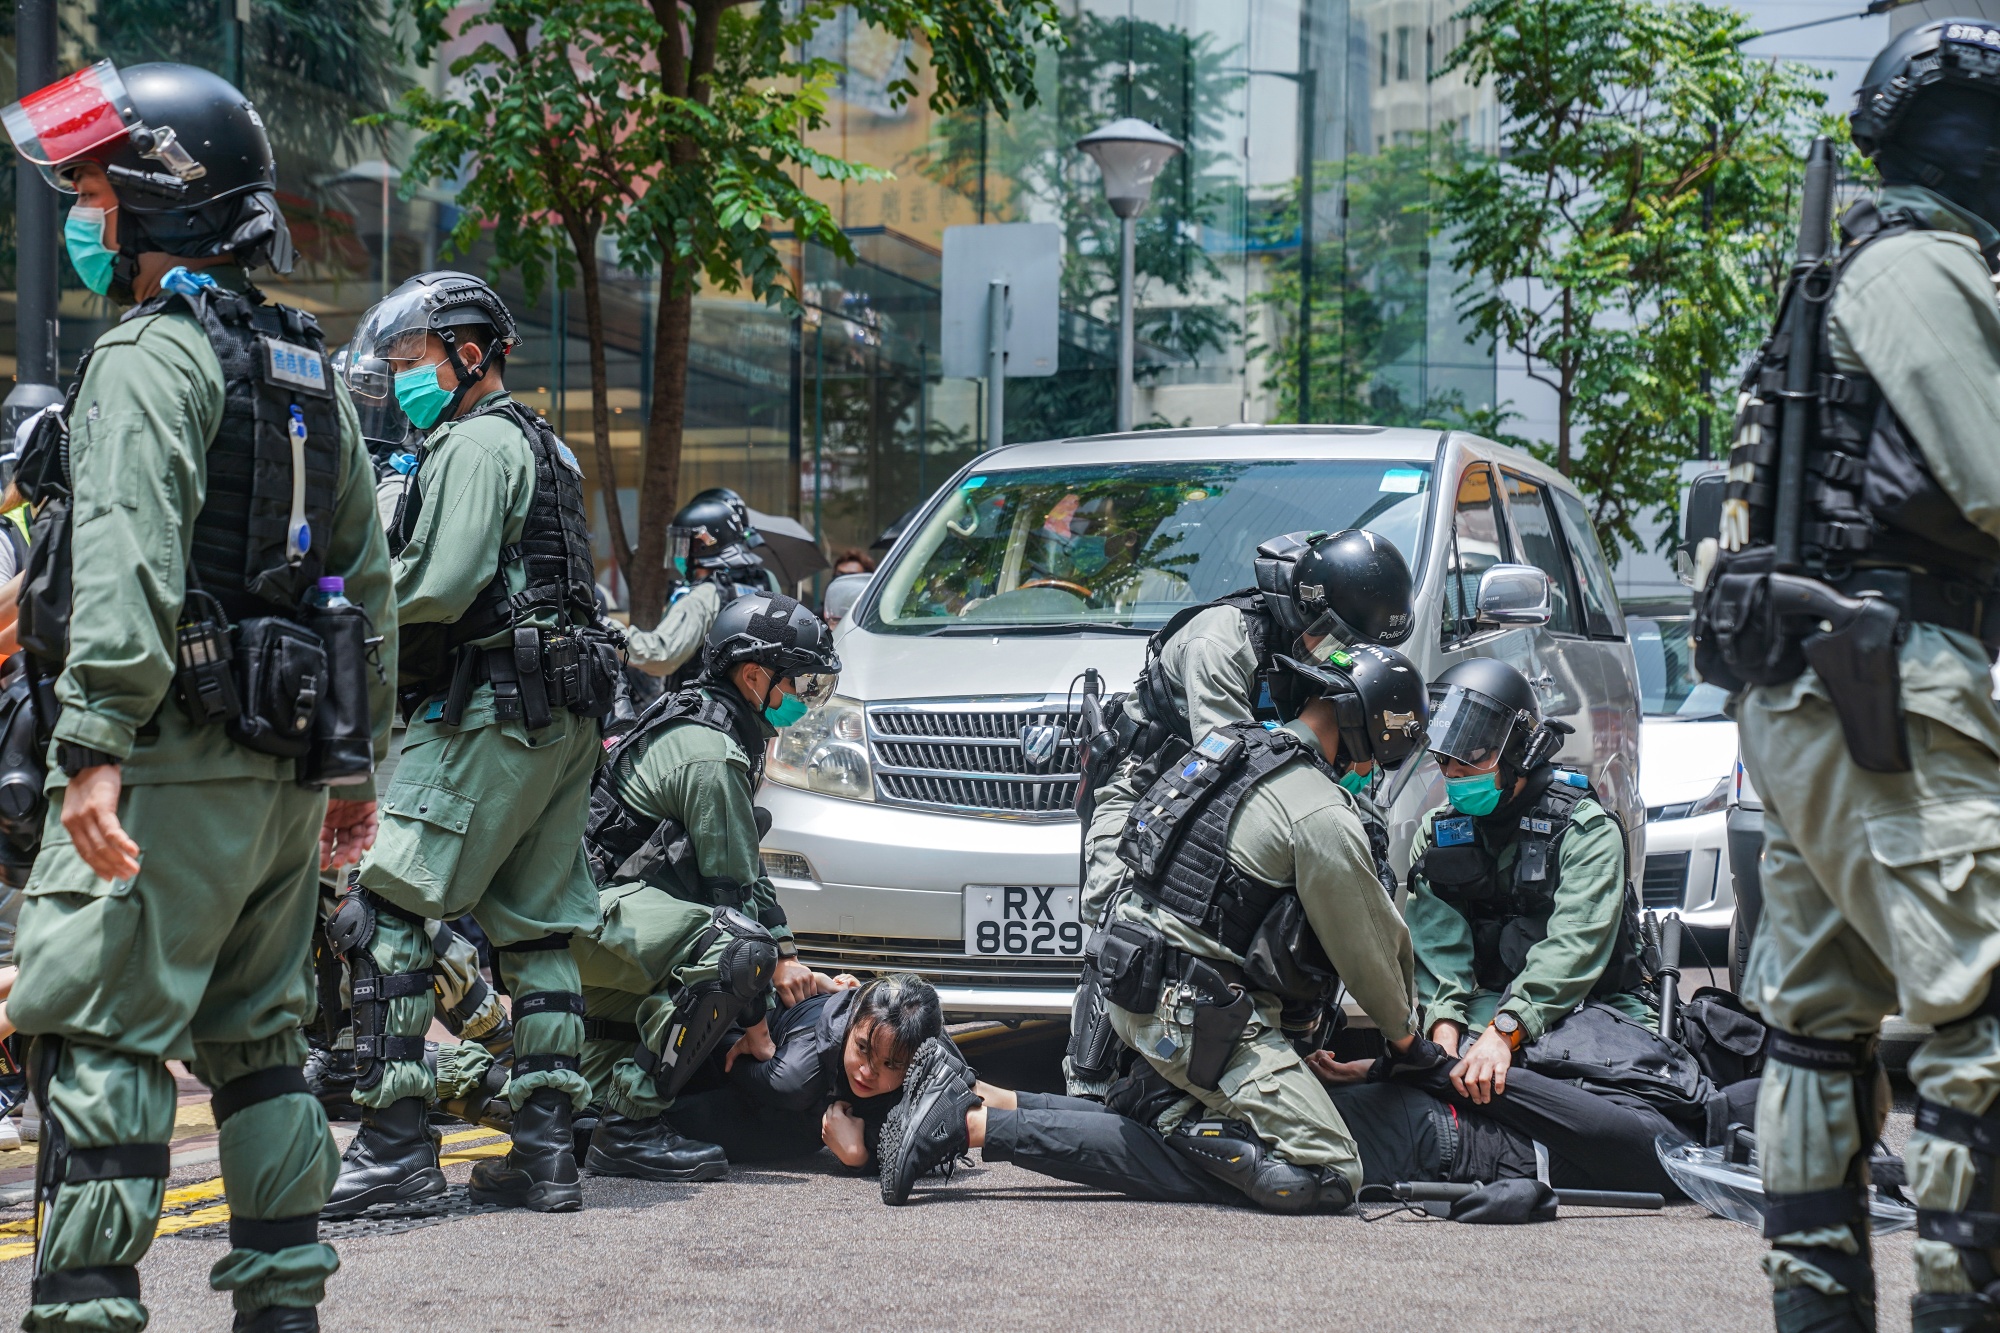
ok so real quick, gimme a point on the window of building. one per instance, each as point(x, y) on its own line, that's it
point(1385, 60)
point(1402, 55)
point(1538, 545)
point(1478, 542)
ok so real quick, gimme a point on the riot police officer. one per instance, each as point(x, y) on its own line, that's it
point(1252, 888)
point(1520, 907)
point(690, 939)
point(1207, 667)
point(503, 677)
point(712, 546)
point(1853, 606)
point(214, 483)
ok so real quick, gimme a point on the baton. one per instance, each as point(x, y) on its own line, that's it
point(1430, 1191)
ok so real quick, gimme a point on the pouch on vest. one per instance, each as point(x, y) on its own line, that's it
point(1129, 958)
point(1154, 830)
point(46, 587)
point(1285, 956)
point(1724, 1037)
point(281, 674)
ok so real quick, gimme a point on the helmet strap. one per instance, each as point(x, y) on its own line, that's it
point(466, 378)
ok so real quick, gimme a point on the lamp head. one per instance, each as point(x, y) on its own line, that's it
point(1130, 154)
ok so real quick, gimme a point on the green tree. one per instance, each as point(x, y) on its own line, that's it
point(1585, 247)
point(689, 120)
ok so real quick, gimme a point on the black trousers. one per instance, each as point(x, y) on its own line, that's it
point(1404, 1133)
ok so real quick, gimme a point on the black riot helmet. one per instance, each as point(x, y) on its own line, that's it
point(1483, 707)
point(712, 531)
point(774, 631)
point(1928, 112)
point(454, 306)
point(1351, 587)
point(184, 149)
point(1377, 696)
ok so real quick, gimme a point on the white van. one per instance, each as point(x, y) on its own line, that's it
point(922, 819)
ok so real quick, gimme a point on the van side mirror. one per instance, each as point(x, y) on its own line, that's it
point(841, 594)
point(1701, 520)
point(1514, 595)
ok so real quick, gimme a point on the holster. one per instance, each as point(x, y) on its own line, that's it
point(1092, 1043)
point(464, 680)
point(531, 683)
point(1854, 654)
point(1221, 1013)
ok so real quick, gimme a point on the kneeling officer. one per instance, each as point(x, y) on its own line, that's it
point(690, 939)
point(1520, 906)
point(503, 677)
point(1252, 884)
point(183, 838)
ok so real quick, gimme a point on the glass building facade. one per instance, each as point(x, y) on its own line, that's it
point(1287, 268)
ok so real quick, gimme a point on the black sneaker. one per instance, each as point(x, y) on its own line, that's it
point(925, 1131)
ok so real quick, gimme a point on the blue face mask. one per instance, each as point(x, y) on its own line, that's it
point(1476, 795)
point(421, 397)
point(789, 710)
point(1086, 554)
point(83, 237)
point(1352, 782)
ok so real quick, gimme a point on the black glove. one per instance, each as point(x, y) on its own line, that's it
point(1424, 1064)
point(1506, 1202)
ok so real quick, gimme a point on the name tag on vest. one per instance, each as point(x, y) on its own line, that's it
point(1453, 832)
point(289, 363)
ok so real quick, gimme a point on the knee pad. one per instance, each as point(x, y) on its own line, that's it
point(1975, 1229)
point(702, 1016)
point(1845, 1205)
point(749, 957)
point(370, 989)
point(1232, 1152)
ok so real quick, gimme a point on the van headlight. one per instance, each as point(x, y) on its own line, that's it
point(825, 751)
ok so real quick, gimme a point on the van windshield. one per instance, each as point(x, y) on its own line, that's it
point(1124, 546)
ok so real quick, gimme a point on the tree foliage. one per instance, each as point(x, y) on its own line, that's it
point(680, 131)
point(1584, 244)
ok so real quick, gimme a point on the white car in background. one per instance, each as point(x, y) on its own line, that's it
point(1687, 767)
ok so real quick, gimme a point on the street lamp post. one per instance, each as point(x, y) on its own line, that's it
point(1130, 154)
point(37, 237)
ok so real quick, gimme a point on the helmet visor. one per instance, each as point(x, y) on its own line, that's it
point(817, 687)
point(1468, 726)
point(70, 119)
point(371, 383)
point(395, 328)
point(679, 543)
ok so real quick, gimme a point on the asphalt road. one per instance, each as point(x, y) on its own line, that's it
point(813, 1246)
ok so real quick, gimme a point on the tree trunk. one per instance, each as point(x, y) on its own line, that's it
point(659, 480)
point(1566, 395)
point(584, 240)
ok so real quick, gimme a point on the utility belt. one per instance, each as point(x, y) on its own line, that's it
point(1133, 962)
point(536, 673)
point(279, 687)
point(1948, 603)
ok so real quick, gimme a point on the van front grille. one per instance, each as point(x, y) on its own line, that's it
point(940, 962)
point(1013, 760)
point(1665, 885)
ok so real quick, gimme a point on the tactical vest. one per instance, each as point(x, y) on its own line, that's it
point(1165, 708)
point(1509, 909)
point(1176, 840)
point(554, 553)
point(621, 844)
point(276, 451)
point(1871, 500)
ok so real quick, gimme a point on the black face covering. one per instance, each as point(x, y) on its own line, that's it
point(1949, 142)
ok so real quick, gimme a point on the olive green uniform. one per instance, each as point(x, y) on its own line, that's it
point(486, 817)
point(1882, 891)
point(201, 956)
point(1562, 967)
point(669, 645)
point(1294, 828)
point(641, 950)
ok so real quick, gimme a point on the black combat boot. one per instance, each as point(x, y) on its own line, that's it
point(651, 1149)
point(393, 1159)
point(925, 1131)
point(1953, 1312)
point(540, 1172)
point(1810, 1310)
point(1232, 1152)
point(278, 1319)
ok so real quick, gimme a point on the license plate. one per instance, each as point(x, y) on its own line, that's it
point(1022, 921)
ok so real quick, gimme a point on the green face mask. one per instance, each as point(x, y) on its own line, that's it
point(83, 237)
point(421, 397)
point(789, 710)
point(1352, 782)
point(1476, 795)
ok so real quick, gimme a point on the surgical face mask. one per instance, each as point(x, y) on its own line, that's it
point(1476, 795)
point(789, 710)
point(83, 237)
point(422, 398)
point(1352, 781)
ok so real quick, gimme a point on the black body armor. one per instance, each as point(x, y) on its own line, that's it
point(1176, 838)
point(1508, 909)
point(622, 844)
point(1871, 501)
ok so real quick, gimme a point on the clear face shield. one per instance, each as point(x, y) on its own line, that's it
point(371, 383)
point(79, 117)
point(397, 330)
point(817, 687)
point(680, 546)
point(1470, 727)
